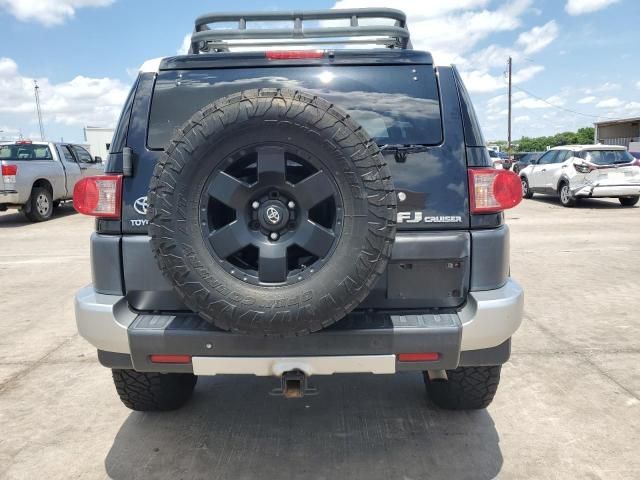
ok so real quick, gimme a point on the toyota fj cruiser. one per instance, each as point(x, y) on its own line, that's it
point(299, 212)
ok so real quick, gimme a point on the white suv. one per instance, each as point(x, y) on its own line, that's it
point(578, 171)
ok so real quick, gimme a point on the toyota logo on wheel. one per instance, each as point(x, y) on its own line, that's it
point(273, 215)
point(141, 205)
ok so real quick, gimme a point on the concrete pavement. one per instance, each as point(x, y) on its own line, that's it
point(568, 405)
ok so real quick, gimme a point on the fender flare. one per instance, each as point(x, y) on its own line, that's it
point(563, 178)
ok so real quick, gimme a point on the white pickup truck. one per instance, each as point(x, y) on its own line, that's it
point(37, 176)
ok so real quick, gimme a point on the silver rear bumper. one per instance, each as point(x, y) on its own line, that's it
point(488, 320)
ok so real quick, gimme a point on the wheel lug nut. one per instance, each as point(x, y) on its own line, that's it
point(291, 205)
point(255, 205)
point(273, 236)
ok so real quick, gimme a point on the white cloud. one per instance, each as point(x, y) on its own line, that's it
point(48, 12)
point(589, 99)
point(579, 7)
point(527, 73)
point(78, 102)
point(605, 87)
point(7, 67)
point(638, 84)
point(186, 44)
point(481, 81)
point(612, 102)
point(538, 38)
point(521, 119)
point(451, 29)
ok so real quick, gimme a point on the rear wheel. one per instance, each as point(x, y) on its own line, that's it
point(40, 206)
point(629, 201)
point(526, 191)
point(466, 388)
point(148, 391)
point(566, 197)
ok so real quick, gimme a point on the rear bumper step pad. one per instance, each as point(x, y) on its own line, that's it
point(359, 334)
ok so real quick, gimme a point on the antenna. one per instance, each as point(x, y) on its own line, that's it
point(36, 89)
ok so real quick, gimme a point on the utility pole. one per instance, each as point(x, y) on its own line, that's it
point(36, 89)
point(509, 124)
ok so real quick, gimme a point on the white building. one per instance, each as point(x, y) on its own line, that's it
point(99, 140)
point(625, 131)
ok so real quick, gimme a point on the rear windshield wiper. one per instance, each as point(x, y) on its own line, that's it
point(401, 151)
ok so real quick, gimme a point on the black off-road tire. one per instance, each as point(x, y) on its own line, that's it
point(33, 211)
point(629, 201)
point(150, 392)
point(467, 388)
point(526, 189)
point(252, 119)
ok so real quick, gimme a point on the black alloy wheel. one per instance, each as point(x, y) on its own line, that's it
point(271, 214)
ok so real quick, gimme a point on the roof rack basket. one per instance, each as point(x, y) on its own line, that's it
point(210, 36)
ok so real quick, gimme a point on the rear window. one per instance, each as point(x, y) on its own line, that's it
point(607, 157)
point(396, 104)
point(25, 152)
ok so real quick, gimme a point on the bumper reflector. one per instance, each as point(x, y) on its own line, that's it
point(171, 359)
point(418, 357)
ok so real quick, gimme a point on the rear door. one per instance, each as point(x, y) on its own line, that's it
point(397, 104)
point(71, 167)
point(555, 169)
point(536, 175)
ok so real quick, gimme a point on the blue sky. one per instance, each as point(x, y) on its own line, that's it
point(569, 56)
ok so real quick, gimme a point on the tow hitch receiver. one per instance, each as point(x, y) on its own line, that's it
point(293, 384)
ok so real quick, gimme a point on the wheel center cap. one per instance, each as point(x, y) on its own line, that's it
point(273, 215)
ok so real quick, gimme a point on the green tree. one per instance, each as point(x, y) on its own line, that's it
point(584, 136)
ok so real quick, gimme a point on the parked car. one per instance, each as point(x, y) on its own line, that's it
point(584, 171)
point(306, 213)
point(525, 159)
point(37, 176)
point(496, 159)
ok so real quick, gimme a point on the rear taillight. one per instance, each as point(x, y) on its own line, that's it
point(583, 167)
point(98, 196)
point(9, 173)
point(492, 191)
point(293, 54)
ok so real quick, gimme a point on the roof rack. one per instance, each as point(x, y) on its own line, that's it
point(210, 36)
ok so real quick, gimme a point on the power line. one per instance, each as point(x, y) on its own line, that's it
point(563, 108)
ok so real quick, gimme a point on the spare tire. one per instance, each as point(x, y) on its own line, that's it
point(272, 212)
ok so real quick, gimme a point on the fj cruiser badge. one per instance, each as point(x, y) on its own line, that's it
point(417, 217)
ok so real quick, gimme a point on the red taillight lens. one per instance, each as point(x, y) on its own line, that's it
point(493, 190)
point(419, 357)
point(98, 196)
point(293, 54)
point(9, 170)
point(170, 358)
point(9, 173)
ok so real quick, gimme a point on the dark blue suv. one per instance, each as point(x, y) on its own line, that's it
point(299, 212)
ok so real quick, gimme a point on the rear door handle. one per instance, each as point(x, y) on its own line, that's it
point(544, 170)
